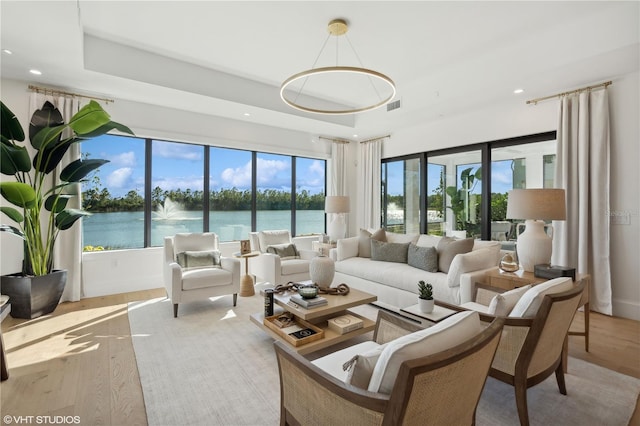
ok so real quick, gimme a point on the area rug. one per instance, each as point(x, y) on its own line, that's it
point(213, 366)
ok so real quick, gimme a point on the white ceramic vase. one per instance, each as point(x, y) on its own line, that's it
point(426, 306)
point(321, 270)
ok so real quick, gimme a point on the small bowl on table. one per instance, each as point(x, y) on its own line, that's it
point(308, 291)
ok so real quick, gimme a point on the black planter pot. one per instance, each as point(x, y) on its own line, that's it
point(31, 297)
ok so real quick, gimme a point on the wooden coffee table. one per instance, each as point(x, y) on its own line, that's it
point(337, 305)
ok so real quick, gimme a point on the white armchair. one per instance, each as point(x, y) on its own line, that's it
point(272, 268)
point(203, 273)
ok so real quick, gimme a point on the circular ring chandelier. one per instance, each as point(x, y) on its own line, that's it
point(337, 27)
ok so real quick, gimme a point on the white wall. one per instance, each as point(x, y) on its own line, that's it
point(517, 119)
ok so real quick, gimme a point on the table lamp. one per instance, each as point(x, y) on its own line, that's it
point(337, 205)
point(535, 206)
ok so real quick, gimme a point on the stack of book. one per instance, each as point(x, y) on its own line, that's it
point(297, 300)
point(345, 324)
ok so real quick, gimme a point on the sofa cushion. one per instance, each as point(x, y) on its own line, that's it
point(364, 241)
point(389, 252)
point(425, 258)
point(448, 248)
point(285, 251)
point(271, 238)
point(529, 303)
point(196, 278)
point(199, 259)
point(468, 262)
point(347, 247)
point(194, 242)
point(333, 363)
point(393, 237)
point(444, 335)
point(502, 304)
point(426, 240)
point(294, 266)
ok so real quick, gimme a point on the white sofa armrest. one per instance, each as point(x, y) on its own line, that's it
point(333, 254)
point(346, 248)
point(469, 262)
point(266, 267)
point(173, 280)
point(231, 264)
point(468, 282)
point(308, 254)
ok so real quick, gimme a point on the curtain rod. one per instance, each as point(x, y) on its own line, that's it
point(375, 139)
point(557, 95)
point(334, 139)
point(45, 90)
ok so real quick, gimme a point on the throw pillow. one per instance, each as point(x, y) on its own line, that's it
point(393, 237)
point(444, 335)
point(529, 303)
point(364, 241)
point(272, 238)
point(361, 367)
point(474, 260)
point(199, 259)
point(448, 248)
point(389, 252)
point(346, 248)
point(285, 251)
point(502, 304)
point(425, 258)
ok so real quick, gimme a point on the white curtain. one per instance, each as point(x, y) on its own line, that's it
point(68, 249)
point(369, 185)
point(582, 169)
point(338, 168)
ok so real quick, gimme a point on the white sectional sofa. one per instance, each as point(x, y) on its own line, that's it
point(395, 283)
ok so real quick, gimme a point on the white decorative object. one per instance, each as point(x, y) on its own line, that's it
point(535, 206)
point(321, 270)
point(426, 305)
point(337, 205)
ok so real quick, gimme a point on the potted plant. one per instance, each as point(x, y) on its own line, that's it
point(425, 294)
point(42, 204)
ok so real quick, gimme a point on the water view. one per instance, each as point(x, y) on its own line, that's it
point(120, 230)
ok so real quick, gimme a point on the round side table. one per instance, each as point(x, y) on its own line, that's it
point(246, 282)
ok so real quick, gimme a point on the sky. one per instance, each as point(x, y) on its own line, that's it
point(180, 166)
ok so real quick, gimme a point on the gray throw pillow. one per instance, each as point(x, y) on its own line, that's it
point(285, 251)
point(448, 248)
point(199, 259)
point(364, 241)
point(389, 252)
point(425, 258)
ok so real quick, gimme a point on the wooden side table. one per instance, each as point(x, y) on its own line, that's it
point(246, 282)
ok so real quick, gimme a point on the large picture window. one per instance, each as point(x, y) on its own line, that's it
point(401, 202)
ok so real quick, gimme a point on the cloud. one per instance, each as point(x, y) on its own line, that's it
point(125, 159)
point(195, 183)
point(268, 175)
point(178, 150)
point(119, 178)
point(317, 167)
point(239, 177)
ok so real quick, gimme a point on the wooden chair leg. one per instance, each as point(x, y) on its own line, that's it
point(235, 298)
point(175, 310)
point(521, 401)
point(560, 379)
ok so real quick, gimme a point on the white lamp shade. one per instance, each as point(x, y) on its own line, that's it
point(336, 204)
point(538, 204)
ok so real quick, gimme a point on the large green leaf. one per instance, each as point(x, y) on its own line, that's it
point(60, 204)
point(47, 116)
point(112, 125)
point(13, 214)
point(78, 169)
point(66, 218)
point(47, 137)
point(9, 125)
point(18, 193)
point(47, 159)
point(13, 159)
point(89, 118)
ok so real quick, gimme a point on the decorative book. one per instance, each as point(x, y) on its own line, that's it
point(308, 303)
point(345, 323)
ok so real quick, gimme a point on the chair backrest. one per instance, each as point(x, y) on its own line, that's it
point(545, 340)
point(189, 242)
point(444, 388)
point(263, 239)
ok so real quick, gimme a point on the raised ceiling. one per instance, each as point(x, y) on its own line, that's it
point(229, 58)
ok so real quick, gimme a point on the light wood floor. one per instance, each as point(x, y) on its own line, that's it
point(80, 361)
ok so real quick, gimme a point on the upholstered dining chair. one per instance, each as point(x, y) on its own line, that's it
point(443, 387)
point(194, 269)
point(281, 258)
point(534, 338)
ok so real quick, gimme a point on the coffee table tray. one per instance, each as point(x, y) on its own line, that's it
point(270, 322)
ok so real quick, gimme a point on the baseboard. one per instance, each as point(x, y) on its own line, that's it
point(626, 309)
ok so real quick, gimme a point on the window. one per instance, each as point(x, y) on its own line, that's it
point(230, 193)
point(273, 192)
point(401, 196)
point(114, 194)
point(310, 190)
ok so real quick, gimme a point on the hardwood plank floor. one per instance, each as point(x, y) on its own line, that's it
point(79, 361)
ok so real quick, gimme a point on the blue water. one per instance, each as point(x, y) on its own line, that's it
point(120, 230)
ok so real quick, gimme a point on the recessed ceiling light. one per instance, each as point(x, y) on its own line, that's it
point(7, 51)
point(518, 91)
point(36, 72)
point(355, 136)
point(246, 114)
